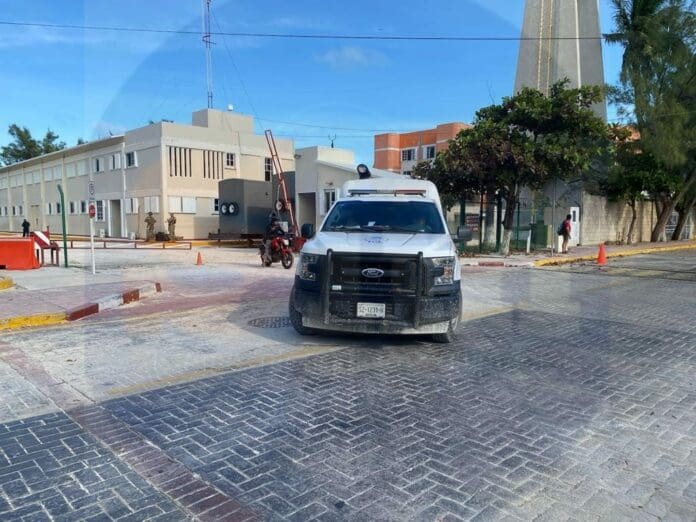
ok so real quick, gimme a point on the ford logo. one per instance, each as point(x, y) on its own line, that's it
point(373, 273)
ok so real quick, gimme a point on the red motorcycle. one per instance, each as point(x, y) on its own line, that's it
point(280, 251)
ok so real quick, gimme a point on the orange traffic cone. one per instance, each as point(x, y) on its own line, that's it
point(602, 256)
point(199, 259)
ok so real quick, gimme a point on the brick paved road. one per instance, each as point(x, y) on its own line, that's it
point(580, 404)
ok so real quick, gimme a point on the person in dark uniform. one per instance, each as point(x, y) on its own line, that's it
point(273, 230)
point(25, 228)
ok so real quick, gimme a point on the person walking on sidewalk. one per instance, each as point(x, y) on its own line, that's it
point(566, 233)
point(25, 228)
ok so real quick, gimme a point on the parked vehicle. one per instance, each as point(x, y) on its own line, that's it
point(383, 261)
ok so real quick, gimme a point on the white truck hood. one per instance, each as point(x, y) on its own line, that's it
point(432, 245)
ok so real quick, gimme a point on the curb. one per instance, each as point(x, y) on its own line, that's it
point(553, 261)
point(497, 264)
point(113, 301)
point(5, 283)
point(106, 303)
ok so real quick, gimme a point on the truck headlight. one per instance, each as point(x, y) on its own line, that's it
point(307, 267)
point(443, 268)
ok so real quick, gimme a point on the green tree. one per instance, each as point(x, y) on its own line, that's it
point(635, 174)
point(526, 141)
point(24, 146)
point(658, 88)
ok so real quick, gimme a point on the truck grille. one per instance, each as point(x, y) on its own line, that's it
point(399, 273)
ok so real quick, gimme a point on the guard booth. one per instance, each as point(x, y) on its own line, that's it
point(18, 253)
point(245, 205)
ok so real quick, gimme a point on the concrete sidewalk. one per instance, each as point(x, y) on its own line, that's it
point(23, 308)
point(577, 254)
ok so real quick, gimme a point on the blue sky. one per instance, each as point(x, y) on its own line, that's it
point(89, 83)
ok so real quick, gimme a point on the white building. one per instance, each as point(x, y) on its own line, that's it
point(161, 168)
point(320, 172)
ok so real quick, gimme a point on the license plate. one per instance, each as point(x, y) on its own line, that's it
point(371, 310)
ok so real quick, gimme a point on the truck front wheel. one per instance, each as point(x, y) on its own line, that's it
point(296, 320)
point(450, 335)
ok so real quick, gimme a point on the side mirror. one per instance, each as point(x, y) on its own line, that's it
point(307, 231)
point(464, 233)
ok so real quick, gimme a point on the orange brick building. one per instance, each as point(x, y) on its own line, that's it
point(401, 152)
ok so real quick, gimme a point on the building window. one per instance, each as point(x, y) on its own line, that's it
point(212, 164)
point(179, 162)
point(329, 199)
point(229, 160)
point(407, 173)
point(267, 169)
point(58, 208)
point(151, 204)
point(182, 205)
point(188, 205)
point(408, 154)
point(72, 207)
point(82, 168)
point(83, 207)
point(132, 205)
point(430, 152)
point(175, 204)
point(49, 209)
point(131, 159)
point(98, 165)
point(216, 206)
point(115, 161)
point(100, 210)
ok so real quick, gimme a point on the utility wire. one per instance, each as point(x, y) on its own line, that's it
point(234, 64)
point(413, 38)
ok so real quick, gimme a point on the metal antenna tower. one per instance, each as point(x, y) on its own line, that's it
point(208, 55)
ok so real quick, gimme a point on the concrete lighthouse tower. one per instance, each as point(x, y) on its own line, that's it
point(560, 39)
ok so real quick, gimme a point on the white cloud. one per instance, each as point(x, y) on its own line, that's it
point(27, 36)
point(347, 57)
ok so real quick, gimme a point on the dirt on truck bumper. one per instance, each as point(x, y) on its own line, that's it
point(414, 314)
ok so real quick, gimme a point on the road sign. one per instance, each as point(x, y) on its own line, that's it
point(92, 210)
point(91, 191)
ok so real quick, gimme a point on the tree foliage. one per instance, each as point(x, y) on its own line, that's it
point(24, 146)
point(635, 174)
point(526, 141)
point(657, 89)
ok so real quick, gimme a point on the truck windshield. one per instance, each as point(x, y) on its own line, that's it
point(385, 216)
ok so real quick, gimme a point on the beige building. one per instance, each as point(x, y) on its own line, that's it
point(161, 168)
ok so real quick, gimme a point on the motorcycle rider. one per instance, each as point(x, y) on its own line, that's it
point(273, 230)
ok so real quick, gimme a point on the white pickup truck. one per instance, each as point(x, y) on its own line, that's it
point(382, 261)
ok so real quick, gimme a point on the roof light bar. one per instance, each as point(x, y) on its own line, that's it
point(393, 192)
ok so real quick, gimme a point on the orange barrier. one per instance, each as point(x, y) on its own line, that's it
point(18, 254)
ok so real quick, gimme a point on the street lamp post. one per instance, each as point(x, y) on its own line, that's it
point(62, 216)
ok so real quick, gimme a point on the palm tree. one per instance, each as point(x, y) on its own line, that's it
point(657, 79)
point(637, 29)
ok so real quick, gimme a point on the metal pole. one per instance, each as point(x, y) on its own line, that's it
point(517, 232)
point(498, 221)
point(462, 211)
point(62, 216)
point(481, 224)
point(553, 220)
point(91, 243)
